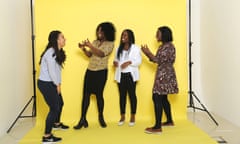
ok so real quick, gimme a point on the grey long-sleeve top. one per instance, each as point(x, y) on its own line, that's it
point(50, 70)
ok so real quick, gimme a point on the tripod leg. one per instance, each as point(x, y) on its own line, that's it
point(191, 102)
point(19, 116)
point(205, 109)
point(34, 107)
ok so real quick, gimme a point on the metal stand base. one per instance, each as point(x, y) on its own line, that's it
point(191, 105)
point(191, 93)
point(20, 114)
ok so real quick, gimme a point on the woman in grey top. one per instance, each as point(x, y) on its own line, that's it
point(165, 79)
point(49, 83)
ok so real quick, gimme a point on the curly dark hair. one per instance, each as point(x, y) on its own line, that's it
point(52, 43)
point(108, 30)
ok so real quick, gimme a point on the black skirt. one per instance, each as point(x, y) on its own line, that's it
point(94, 81)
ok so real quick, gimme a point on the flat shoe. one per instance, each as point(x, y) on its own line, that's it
point(120, 123)
point(131, 123)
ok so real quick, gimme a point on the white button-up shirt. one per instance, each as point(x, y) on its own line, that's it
point(133, 55)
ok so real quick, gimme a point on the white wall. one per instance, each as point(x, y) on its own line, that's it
point(219, 56)
point(15, 60)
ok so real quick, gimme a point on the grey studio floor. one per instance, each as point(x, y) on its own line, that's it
point(224, 133)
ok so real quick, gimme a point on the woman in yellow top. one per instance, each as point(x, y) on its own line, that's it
point(97, 71)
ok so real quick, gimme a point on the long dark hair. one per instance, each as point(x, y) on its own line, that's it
point(131, 39)
point(166, 34)
point(108, 30)
point(52, 43)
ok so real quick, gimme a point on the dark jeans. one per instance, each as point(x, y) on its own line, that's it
point(94, 83)
point(54, 102)
point(161, 103)
point(127, 85)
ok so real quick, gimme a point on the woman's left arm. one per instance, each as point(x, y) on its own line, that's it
point(135, 58)
point(94, 50)
point(149, 54)
point(168, 55)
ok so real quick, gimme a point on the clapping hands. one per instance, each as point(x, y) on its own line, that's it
point(84, 43)
point(145, 49)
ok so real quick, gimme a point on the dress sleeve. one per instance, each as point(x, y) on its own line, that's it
point(165, 54)
point(168, 55)
point(107, 48)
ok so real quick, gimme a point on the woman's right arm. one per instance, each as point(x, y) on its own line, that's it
point(51, 66)
point(115, 61)
point(149, 54)
point(86, 52)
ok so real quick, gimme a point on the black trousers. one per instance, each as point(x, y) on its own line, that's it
point(127, 85)
point(54, 102)
point(94, 83)
point(161, 103)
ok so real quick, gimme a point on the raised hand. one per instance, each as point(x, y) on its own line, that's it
point(81, 45)
point(145, 49)
point(87, 43)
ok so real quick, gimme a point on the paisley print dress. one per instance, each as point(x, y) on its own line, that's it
point(165, 78)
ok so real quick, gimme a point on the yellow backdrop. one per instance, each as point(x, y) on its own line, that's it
point(78, 19)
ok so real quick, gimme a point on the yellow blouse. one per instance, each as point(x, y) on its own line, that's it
point(97, 63)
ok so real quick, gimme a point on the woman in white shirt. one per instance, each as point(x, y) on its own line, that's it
point(127, 61)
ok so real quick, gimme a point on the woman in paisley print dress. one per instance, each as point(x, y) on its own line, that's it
point(165, 79)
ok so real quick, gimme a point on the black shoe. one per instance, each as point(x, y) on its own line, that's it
point(82, 123)
point(102, 122)
point(60, 126)
point(50, 139)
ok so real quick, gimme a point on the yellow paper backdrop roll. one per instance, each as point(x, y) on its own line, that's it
point(78, 19)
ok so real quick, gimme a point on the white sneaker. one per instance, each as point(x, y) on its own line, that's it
point(131, 124)
point(120, 123)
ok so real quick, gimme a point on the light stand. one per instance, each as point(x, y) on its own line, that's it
point(33, 98)
point(192, 95)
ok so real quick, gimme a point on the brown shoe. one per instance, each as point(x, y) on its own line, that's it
point(152, 130)
point(167, 124)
